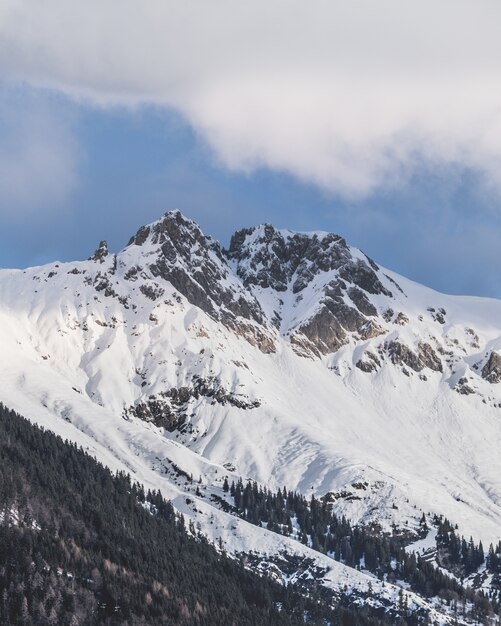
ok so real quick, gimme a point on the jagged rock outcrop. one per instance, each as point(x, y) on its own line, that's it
point(194, 264)
point(265, 258)
point(100, 253)
point(463, 387)
point(170, 409)
point(323, 333)
point(401, 319)
point(311, 288)
point(424, 356)
point(361, 301)
point(272, 259)
point(438, 316)
point(227, 285)
point(335, 320)
point(268, 257)
point(334, 292)
point(491, 371)
point(368, 363)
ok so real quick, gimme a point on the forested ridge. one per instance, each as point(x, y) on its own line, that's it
point(80, 546)
point(314, 522)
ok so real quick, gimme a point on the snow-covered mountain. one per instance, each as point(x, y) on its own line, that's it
point(290, 358)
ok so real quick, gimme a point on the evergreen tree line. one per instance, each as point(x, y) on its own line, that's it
point(314, 523)
point(464, 557)
point(80, 546)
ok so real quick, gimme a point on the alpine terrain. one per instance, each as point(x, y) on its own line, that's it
point(325, 421)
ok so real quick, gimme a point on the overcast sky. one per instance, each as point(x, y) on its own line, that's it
point(378, 119)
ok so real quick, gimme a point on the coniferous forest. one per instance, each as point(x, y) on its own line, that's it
point(313, 522)
point(80, 546)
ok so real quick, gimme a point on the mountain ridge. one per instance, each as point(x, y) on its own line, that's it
point(329, 373)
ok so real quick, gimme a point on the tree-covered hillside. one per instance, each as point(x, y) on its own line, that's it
point(80, 546)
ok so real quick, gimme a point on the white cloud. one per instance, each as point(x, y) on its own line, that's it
point(348, 95)
point(38, 154)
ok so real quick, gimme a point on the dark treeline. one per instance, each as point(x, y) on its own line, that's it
point(464, 557)
point(493, 562)
point(313, 522)
point(80, 546)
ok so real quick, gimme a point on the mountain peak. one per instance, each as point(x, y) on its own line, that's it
point(100, 253)
point(270, 257)
point(175, 250)
point(375, 419)
point(171, 225)
point(228, 284)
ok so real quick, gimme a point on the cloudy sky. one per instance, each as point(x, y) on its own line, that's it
point(377, 119)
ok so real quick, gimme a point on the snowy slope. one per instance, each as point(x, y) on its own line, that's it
point(291, 358)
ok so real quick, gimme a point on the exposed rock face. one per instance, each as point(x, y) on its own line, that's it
point(194, 264)
point(425, 356)
point(170, 409)
point(100, 253)
point(323, 332)
point(388, 314)
point(368, 363)
point(103, 284)
point(265, 258)
point(438, 316)
point(474, 340)
point(268, 258)
point(223, 283)
point(159, 412)
point(370, 330)
point(309, 287)
point(401, 319)
point(463, 387)
point(361, 301)
point(492, 369)
point(153, 292)
point(360, 273)
point(333, 291)
point(329, 328)
point(429, 357)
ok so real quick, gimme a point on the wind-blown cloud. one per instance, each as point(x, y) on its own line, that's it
point(350, 96)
